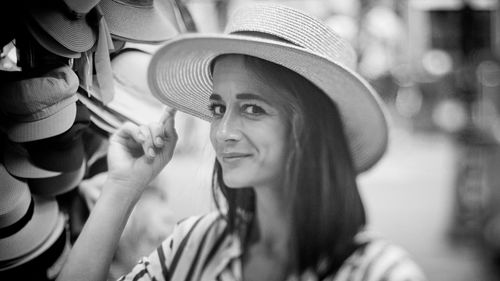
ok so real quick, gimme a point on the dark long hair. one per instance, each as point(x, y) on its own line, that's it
point(320, 181)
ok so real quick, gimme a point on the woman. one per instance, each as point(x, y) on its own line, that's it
point(291, 124)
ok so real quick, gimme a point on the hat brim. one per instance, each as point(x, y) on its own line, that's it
point(179, 76)
point(18, 163)
point(98, 110)
point(59, 184)
point(15, 200)
point(133, 98)
point(48, 42)
point(48, 127)
point(102, 124)
point(76, 35)
point(57, 233)
point(34, 233)
point(65, 159)
point(140, 25)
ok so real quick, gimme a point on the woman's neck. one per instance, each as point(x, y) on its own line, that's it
point(271, 225)
point(267, 254)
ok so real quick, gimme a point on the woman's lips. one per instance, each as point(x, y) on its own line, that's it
point(233, 156)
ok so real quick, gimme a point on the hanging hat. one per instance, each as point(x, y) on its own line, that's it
point(49, 187)
point(100, 115)
point(133, 97)
point(43, 262)
point(48, 42)
point(40, 107)
point(41, 181)
point(66, 21)
point(64, 152)
point(102, 125)
point(17, 162)
point(137, 21)
point(180, 75)
point(26, 222)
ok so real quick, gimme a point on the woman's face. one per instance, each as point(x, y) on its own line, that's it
point(248, 131)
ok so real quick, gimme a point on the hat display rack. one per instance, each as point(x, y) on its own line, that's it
point(58, 106)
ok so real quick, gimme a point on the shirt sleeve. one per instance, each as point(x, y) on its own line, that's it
point(155, 267)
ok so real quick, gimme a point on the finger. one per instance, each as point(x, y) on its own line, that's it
point(168, 112)
point(128, 133)
point(157, 133)
point(147, 145)
point(169, 125)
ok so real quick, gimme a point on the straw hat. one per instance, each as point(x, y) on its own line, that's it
point(43, 261)
point(58, 185)
point(137, 21)
point(40, 107)
point(41, 181)
point(179, 73)
point(18, 163)
point(133, 97)
point(25, 222)
point(66, 21)
point(48, 42)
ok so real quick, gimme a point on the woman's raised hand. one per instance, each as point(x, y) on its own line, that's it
point(137, 154)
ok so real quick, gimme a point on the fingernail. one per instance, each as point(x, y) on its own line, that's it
point(151, 152)
point(159, 141)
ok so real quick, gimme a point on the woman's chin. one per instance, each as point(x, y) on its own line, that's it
point(235, 182)
point(235, 185)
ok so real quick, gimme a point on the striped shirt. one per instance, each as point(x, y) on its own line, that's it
point(201, 248)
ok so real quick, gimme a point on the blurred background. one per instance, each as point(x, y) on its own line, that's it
point(436, 192)
point(435, 64)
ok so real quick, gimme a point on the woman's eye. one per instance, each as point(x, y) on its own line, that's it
point(253, 109)
point(217, 109)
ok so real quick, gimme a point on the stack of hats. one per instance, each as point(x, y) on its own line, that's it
point(32, 234)
point(56, 112)
point(130, 25)
point(43, 124)
point(42, 157)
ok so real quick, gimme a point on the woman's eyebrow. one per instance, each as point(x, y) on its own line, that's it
point(216, 97)
point(242, 96)
point(250, 96)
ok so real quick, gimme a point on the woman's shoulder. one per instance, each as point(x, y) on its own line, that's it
point(199, 224)
point(181, 253)
point(379, 259)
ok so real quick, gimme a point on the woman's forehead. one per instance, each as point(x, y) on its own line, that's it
point(231, 66)
point(234, 75)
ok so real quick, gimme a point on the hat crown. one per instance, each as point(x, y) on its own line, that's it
point(293, 27)
point(15, 198)
point(81, 6)
point(38, 97)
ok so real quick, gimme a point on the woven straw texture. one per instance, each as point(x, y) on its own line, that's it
point(179, 73)
point(137, 21)
point(75, 35)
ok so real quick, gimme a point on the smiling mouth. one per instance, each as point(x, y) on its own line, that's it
point(234, 156)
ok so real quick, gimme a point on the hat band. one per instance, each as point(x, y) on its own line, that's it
point(70, 13)
point(15, 227)
point(263, 35)
point(39, 266)
point(137, 4)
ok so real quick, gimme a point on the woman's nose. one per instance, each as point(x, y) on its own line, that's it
point(228, 128)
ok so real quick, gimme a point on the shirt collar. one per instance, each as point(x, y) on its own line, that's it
point(229, 265)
